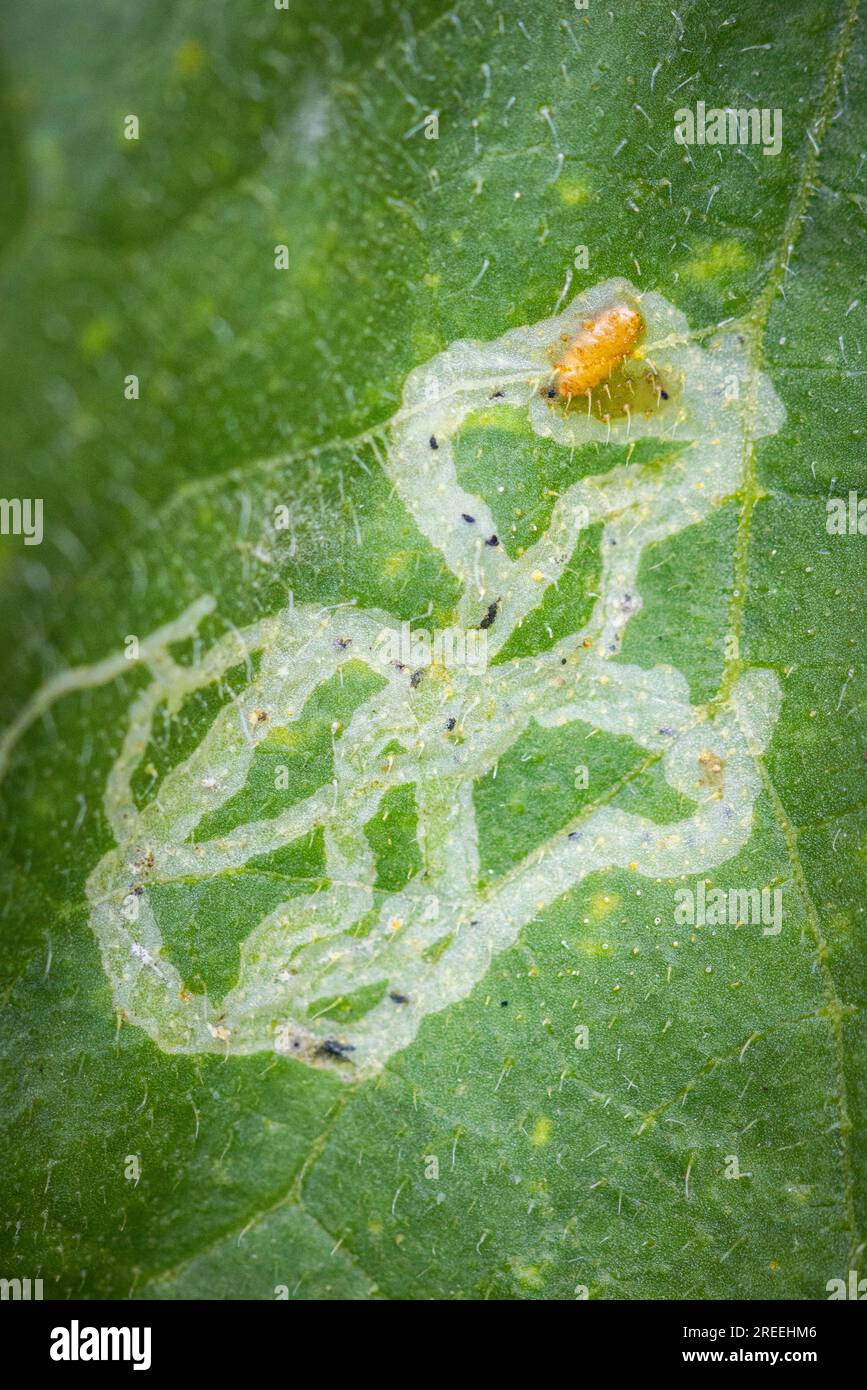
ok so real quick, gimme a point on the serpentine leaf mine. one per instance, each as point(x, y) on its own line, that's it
point(422, 945)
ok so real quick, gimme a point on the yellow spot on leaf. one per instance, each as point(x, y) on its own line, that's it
point(719, 259)
point(603, 904)
point(541, 1132)
point(189, 58)
point(96, 337)
point(527, 1276)
point(572, 193)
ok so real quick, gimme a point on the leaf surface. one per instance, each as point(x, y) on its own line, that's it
point(402, 1008)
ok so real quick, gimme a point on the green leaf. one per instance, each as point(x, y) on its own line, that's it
point(434, 823)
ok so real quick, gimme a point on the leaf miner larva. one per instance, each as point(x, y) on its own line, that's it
point(602, 344)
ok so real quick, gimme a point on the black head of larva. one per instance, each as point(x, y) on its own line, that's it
point(491, 614)
point(332, 1048)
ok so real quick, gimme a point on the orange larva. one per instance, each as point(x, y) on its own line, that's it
point(601, 345)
